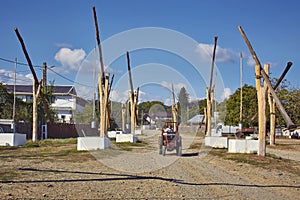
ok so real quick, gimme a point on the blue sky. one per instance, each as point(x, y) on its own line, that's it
point(62, 33)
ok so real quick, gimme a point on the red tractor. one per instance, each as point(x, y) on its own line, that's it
point(170, 139)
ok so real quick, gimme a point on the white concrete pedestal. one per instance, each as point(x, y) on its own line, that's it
point(138, 132)
point(126, 138)
point(216, 142)
point(12, 139)
point(92, 143)
point(242, 146)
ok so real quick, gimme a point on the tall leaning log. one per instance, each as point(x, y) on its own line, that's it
point(280, 107)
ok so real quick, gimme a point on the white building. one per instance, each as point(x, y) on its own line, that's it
point(64, 100)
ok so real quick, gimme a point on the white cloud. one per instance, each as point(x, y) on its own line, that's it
point(119, 96)
point(250, 61)
point(226, 93)
point(8, 77)
point(222, 54)
point(177, 86)
point(70, 58)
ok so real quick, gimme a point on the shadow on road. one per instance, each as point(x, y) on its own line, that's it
point(118, 177)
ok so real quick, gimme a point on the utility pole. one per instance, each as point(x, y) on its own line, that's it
point(241, 94)
point(14, 105)
point(45, 75)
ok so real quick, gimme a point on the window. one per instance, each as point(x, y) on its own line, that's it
point(28, 98)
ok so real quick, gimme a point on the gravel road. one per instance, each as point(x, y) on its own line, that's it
point(195, 175)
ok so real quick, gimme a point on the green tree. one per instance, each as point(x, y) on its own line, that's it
point(6, 106)
point(232, 113)
point(84, 117)
point(290, 99)
point(48, 96)
point(183, 99)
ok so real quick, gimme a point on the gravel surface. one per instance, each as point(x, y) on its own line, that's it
point(41, 174)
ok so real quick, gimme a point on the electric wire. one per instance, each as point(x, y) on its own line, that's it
point(38, 66)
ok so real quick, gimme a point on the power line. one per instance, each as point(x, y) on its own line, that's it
point(38, 66)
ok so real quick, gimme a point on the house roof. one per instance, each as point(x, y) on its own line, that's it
point(196, 119)
point(63, 90)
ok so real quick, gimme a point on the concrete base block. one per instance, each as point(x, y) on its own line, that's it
point(242, 146)
point(12, 139)
point(113, 134)
point(126, 138)
point(138, 132)
point(216, 142)
point(92, 143)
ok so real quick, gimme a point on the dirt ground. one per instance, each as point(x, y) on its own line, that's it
point(60, 172)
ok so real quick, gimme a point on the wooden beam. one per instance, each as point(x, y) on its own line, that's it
point(98, 42)
point(212, 64)
point(280, 107)
point(45, 105)
point(174, 110)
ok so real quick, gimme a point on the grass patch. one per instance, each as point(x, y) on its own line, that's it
point(50, 142)
point(129, 146)
point(5, 176)
point(270, 161)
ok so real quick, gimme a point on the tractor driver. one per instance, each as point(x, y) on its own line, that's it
point(169, 129)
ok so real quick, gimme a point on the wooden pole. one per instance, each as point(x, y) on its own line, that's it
point(132, 113)
point(98, 42)
point(105, 104)
point(280, 107)
point(261, 112)
point(287, 68)
point(45, 105)
point(208, 113)
point(272, 112)
point(35, 93)
point(123, 116)
point(213, 63)
point(241, 91)
point(34, 113)
point(174, 110)
point(102, 113)
point(209, 90)
point(289, 64)
point(132, 98)
point(204, 120)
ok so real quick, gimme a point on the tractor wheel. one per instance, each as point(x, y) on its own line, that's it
point(164, 148)
point(160, 143)
point(179, 147)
